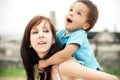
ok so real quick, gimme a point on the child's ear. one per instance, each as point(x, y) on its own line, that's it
point(86, 26)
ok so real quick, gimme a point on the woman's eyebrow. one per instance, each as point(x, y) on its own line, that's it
point(33, 27)
point(46, 27)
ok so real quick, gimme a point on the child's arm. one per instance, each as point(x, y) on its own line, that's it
point(59, 57)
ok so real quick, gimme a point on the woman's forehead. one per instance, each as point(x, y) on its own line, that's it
point(43, 23)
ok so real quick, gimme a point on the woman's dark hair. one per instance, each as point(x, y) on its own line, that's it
point(28, 54)
point(93, 12)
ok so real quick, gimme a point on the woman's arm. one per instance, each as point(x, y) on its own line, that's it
point(71, 68)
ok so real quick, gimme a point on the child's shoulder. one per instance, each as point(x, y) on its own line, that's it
point(79, 32)
point(61, 31)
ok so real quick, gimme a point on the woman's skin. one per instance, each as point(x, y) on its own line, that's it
point(39, 42)
point(41, 38)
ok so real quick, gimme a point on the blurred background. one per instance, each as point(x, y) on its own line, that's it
point(15, 14)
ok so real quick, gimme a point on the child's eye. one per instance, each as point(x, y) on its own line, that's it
point(79, 13)
point(71, 9)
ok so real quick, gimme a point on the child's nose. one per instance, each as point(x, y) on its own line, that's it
point(71, 13)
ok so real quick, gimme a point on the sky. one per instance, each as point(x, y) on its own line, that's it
point(15, 14)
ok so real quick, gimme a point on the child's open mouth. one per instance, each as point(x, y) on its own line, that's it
point(69, 20)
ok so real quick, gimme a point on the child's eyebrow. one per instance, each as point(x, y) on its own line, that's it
point(71, 6)
point(81, 11)
point(77, 8)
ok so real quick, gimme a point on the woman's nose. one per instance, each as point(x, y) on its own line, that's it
point(41, 35)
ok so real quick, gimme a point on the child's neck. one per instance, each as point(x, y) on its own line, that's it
point(67, 33)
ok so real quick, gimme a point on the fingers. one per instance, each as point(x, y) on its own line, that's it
point(41, 71)
point(41, 67)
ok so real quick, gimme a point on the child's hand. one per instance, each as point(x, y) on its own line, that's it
point(41, 66)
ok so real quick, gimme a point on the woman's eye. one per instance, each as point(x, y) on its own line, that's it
point(45, 30)
point(34, 32)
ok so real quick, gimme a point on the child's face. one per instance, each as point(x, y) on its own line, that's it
point(76, 18)
point(41, 38)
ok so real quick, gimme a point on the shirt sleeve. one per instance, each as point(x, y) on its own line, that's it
point(77, 37)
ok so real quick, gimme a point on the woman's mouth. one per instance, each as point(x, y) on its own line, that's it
point(41, 43)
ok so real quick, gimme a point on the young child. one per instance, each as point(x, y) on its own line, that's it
point(81, 17)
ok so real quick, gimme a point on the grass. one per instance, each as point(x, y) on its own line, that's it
point(12, 72)
point(114, 72)
point(19, 72)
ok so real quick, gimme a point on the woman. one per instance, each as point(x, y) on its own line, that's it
point(40, 42)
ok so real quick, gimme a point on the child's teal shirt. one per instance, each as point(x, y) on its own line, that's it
point(84, 52)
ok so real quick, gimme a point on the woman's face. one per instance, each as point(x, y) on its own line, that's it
point(41, 38)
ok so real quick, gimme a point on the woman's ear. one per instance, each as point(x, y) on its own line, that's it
point(53, 41)
point(30, 46)
point(86, 26)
